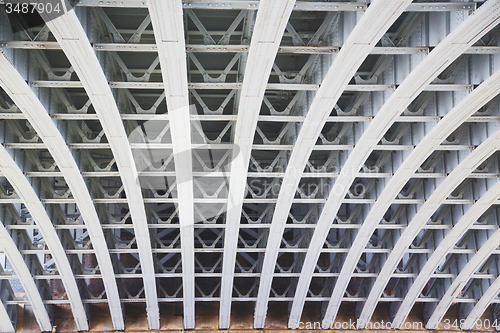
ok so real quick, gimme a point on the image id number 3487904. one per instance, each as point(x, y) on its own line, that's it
point(479, 324)
point(29, 8)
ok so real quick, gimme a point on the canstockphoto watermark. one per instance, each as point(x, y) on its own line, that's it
point(358, 324)
point(155, 162)
point(211, 164)
point(321, 188)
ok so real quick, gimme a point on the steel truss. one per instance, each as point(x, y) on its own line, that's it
point(319, 152)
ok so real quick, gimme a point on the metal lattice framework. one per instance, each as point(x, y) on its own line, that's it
point(308, 153)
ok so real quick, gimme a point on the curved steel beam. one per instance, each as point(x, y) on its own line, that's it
point(456, 117)
point(458, 41)
point(6, 325)
point(74, 42)
point(168, 26)
point(23, 188)
point(23, 273)
point(448, 243)
point(22, 95)
point(272, 17)
point(483, 303)
point(468, 271)
point(372, 26)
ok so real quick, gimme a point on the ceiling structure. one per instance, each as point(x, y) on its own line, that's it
point(312, 153)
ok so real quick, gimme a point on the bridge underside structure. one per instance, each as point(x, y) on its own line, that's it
point(309, 156)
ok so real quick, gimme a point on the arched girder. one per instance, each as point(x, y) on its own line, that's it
point(482, 305)
point(447, 244)
point(168, 29)
point(73, 40)
point(272, 18)
point(457, 42)
point(23, 273)
point(22, 95)
point(456, 117)
point(23, 188)
point(373, 24)
point(6, 325)
point(467, 273)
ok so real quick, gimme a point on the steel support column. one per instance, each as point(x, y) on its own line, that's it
point(272, 17)
point(168, 26)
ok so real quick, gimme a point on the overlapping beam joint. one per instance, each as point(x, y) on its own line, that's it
point(275, 152)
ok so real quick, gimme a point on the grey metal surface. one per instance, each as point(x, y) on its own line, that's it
point(180, 163)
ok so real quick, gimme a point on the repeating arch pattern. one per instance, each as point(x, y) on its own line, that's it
point(382, 14)
point(448, 50)
point(246, 155)
point(270, 23)
point(466, 274)
point(15, 176)
point(73, 40)
point(457, 232)
point(15, 257)
point(482, 305)
point(27, 102)
point(473, 102)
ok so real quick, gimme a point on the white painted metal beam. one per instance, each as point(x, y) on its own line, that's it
point(74, 42)
point(448, 243)
point(271, 147)
point(266, 118)
point(117, 47)
point(457, 42)
point(6, 325)
point(373, 24)
point(483, 303)
point(23, 273)
point(456, 117)
point(272, 17)
point(468, 272)
point(21, 94)
point(249, 200)
point(238, 86)
point(23, 188)
point(300, 6)
point(168, 26)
